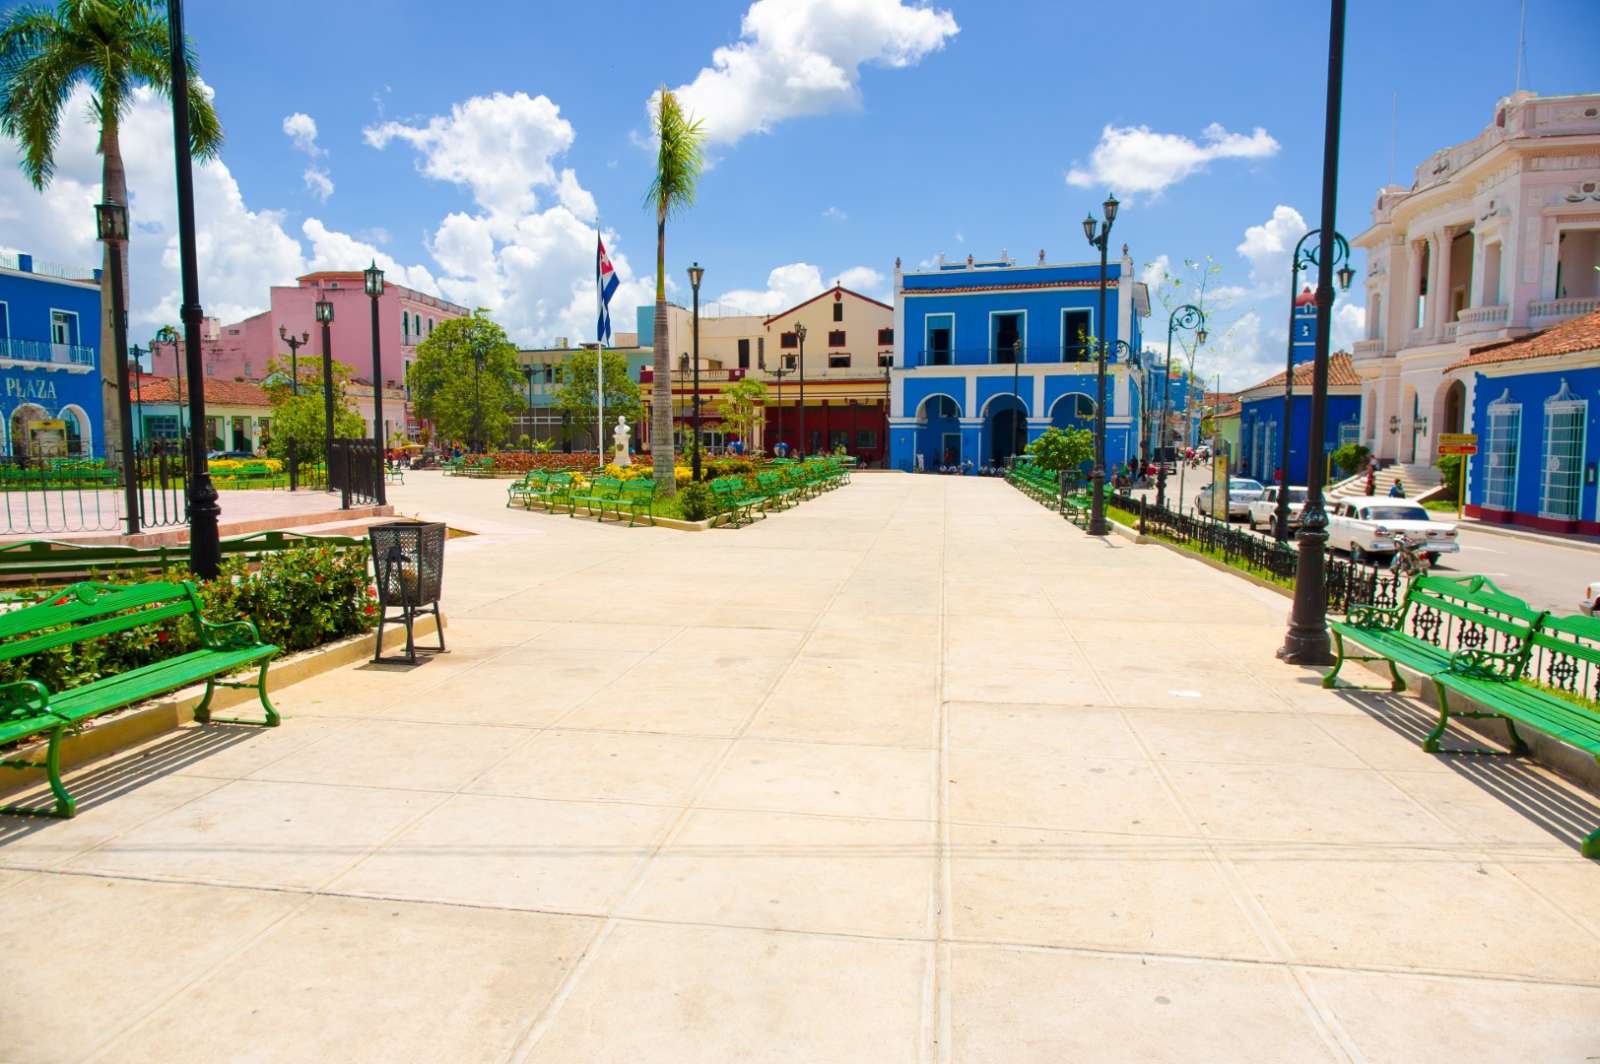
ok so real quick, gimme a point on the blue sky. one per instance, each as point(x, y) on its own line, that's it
point(471, 154)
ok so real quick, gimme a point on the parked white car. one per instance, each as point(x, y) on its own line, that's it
point(1264, 510)
point(1367, 525)
point(1591, 599)
point(1241, 493)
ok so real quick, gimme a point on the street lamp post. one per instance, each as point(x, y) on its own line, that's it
point(112, 221)
point(205, 548)
point(1097, 513)
point(1016, 398)
point(138, 354)
point(1187, 316)
point(696, 272)
point(779, 373)
point(478, 355)
point(1302, 258)
point(168, 335)
point(1306, 642)
point(325, 319)
point(800, 335)
point(527, 373)
point(295, 344)
point(374, 285)
point(886, 360)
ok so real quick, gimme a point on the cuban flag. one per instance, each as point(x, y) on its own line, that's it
point(606, 280)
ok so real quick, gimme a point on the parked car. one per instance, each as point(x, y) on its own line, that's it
point(1591, 598)
point(1366, 525)
point(1264, 510)
point(1241, 493)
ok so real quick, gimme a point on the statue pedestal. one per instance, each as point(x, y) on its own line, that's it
point(619, 437)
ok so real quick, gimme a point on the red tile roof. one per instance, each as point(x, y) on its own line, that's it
point(1579, 334)
point(152, 389)
point(1341, 374)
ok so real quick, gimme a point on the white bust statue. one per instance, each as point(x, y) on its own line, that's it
point(619, 437)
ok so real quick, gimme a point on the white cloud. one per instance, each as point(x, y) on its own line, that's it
point(1267, 247)
point(332, 250)
point(797, 282)
point(527, 251)
point(804, 57)
point(1349, 325)
point(301, 128)
point(501, 147)
point(318, 183)
point(1135, 159)
point(1155, 271)
point(835, 213)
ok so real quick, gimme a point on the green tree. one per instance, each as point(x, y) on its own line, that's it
point(303, 417)
point(741, 406)
point(1063, 451)
point(465, 380)
point(575, 396)
point(1195, 284)
point(679, 160)
point(112, 46)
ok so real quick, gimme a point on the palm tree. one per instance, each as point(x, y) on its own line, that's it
point(112, 46)
point(678, 164)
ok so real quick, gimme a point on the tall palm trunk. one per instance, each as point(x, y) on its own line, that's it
point(113, 186)
point(661, 457)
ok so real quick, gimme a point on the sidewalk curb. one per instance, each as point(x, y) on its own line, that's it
point(1470, 524)
point(172, 711)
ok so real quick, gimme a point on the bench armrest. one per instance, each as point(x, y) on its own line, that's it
point(23, 698)
point(1481, 661)
point(1375, 616)
point(229, 635)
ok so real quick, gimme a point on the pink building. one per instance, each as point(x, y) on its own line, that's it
point(242, 350)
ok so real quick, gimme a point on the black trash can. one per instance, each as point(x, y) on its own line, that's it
point(408, 567)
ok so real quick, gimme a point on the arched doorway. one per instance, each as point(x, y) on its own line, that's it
point(939, 432)
point(1005, 429)
point(1412, 429)
point(1073, 411)
point(79, 440)
point(21, 418)
point(1455, 408)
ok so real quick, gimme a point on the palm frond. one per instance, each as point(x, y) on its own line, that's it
point(679, 156)
point(40, 61)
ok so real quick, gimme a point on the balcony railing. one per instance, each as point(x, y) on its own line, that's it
point(1550, 311)
point(1482, 319)
point(40, 351)
point(1363, 349)
point(1033, 354)
point(1448, 333)
point(647, 375)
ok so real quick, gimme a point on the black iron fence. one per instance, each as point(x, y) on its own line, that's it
point(355, 471)
point(49, 493)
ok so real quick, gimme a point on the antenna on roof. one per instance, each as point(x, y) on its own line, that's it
point(1522, 42)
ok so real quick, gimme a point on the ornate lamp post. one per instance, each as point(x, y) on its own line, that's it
point(1097, 513)
point(478, 355)
point(205, 549)
point(111, 220)
point(325, 319)
point(1303, 258)
point(1187, 316)
point(374, 286)
point(527, 374)
point(696, 272)
point(800, 335)
point(779, 373)
point(138, 353)
point(1306, 642)
point(295, 344)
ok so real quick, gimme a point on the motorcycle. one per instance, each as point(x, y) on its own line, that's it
point(1409, 557)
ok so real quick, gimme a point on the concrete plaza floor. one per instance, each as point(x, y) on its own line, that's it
point(913, 772)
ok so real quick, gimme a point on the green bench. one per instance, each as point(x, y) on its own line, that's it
point(734, 498)
point(638, 497)
point(41, 559)
point(600, 496)
point(83, 612)
point(1433, 606)
point(556, 490)
point(521, 490)
point(394, 474)
point(779, 491)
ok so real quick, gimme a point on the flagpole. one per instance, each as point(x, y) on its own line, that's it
point(599, 354)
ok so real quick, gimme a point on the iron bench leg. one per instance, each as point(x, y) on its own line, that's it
point(66, 806)
point(1431, 743)
point(1396, 685)
point(202, 712)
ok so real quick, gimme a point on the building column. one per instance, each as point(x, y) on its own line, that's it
point(972, 441)
point(1447, 244)
point(1437, 261)
point(1413, 282)
point(902, 443)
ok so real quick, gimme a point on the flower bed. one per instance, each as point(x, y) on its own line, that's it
point(299, 599)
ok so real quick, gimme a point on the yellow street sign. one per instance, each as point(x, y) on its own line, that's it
point(1457, 439)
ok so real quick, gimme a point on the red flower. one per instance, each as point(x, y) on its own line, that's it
point(62, 601)
point(161, 637)
point(371, 609)
point(372, 592)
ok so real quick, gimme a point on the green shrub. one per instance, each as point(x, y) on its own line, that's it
point(1350, 458)
point(696, 501)
point(1450, 466)
point(299, 599)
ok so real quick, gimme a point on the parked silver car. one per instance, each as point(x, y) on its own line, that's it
point(1241, 493)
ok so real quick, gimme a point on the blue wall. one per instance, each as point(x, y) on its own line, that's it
point(1531, 391)
point(61, 380)
point(1342, 412)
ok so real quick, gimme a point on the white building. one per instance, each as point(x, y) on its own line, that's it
point(1496, 237)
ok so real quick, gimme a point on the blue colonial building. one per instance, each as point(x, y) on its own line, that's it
point(1262, 407)
point(988, 355)
point(1538, 428)
point(50, 394)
